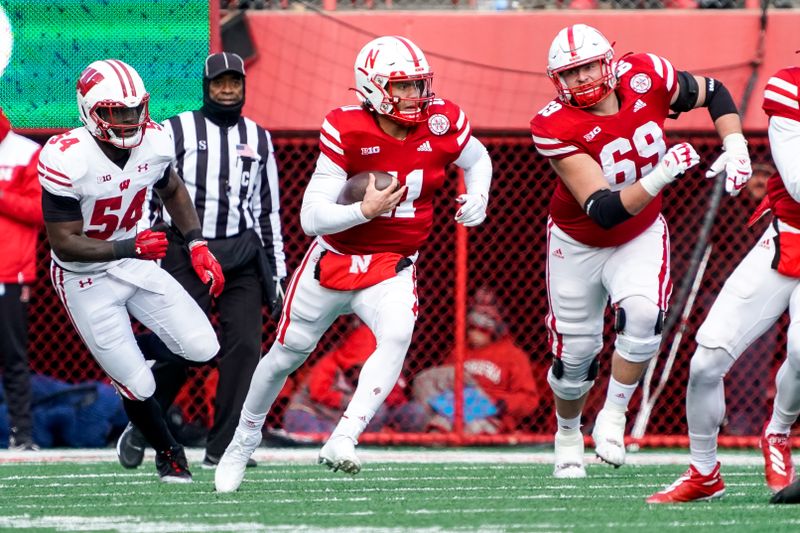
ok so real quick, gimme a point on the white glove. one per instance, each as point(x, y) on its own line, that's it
point(675, 162)
point(735, 161)
point(473, 209)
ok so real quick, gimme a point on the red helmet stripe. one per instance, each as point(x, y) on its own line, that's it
point(119, 76)
point(127, 72)
point(573, 52)
point(410, 49)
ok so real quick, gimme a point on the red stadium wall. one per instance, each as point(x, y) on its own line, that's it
point(492, 64)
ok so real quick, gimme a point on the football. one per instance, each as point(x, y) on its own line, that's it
point(356, 185)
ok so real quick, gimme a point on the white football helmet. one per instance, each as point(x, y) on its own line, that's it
point(113, 103)
point(575, 46)
point(388, 60)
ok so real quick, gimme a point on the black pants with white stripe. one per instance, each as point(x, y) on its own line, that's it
point(14, 357)
point(239, 329)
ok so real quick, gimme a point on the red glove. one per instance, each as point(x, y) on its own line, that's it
point(207, 267)
point(150, 244)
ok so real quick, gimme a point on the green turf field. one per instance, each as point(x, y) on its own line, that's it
point(477, 495)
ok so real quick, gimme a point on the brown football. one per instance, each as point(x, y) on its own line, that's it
point(356, 185)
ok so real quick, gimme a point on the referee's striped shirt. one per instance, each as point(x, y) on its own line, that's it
point(232, 177)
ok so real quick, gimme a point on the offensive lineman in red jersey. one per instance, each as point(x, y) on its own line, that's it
point(363, 259)
point(765, 283)
point(606, 238)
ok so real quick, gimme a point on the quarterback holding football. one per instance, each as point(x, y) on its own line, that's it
point(363, 258)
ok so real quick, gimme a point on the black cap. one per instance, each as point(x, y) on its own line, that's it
point(221, 63)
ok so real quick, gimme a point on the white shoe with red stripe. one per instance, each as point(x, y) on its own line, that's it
point(692, 486)
point(778, 467)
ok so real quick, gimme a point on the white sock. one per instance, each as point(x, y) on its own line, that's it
point(250, 422)
point(787, 400)
point(703, 449)
point(568, 426)
point(350, 426)
point(619, 395)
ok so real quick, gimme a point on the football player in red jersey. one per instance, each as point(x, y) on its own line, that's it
point(362, 260)
point(607, 239)
point(765, 283)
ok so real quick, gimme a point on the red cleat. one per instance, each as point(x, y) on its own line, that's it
point(692, 487)
point(778, 467)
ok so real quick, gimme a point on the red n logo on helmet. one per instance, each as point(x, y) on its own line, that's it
point(371, 57)
point(89, 78)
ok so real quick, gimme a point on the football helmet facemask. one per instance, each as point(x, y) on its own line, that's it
point(575, 46)
point(383, 64)
point(113, 103)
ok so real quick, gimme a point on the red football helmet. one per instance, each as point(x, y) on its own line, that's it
point(388, 60)
point(575, 46)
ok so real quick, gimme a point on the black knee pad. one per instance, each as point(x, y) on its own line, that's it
point(558, 368)
point(619, 319)
point(594, 368)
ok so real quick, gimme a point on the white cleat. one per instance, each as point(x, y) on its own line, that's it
point(339, 453)
point(569, 456)
point(609, 437)
point(230, 470)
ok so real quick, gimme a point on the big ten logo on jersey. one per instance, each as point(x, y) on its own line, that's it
point(115, 213)
point(550, 108)
point(626, 160)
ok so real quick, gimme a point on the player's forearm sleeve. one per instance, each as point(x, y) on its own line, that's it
point(320, 214)
point(477, 165)
point(784, 138)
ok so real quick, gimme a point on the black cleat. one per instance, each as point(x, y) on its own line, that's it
point(172, 466)
point(130, 447)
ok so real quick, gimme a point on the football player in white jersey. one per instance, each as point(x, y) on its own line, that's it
point(94, 182)
point(607, 240)
point(765, 283)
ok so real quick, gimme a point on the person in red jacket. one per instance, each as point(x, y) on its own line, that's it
point(318, 403)
point(20, 221)
point(500, 390)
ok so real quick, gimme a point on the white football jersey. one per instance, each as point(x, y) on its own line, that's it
point(111, 198)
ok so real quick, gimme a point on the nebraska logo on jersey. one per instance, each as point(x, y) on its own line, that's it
point(439, 124)
point(370, 150)
point(641, 83)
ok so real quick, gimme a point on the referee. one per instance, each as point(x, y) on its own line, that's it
point(228, 164)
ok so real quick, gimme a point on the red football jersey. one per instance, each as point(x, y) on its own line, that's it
point(351, 138)
point(627, 145)
point(781, 100)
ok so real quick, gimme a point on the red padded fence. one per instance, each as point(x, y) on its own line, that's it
point(505, 255)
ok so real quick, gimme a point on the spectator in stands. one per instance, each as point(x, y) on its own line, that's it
point(20, 222)
point(318, 403)
point(500, 392)
point(227, 162)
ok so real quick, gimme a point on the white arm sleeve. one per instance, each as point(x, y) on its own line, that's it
point(477, 165)
point(320, 214)
point(784, 138)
